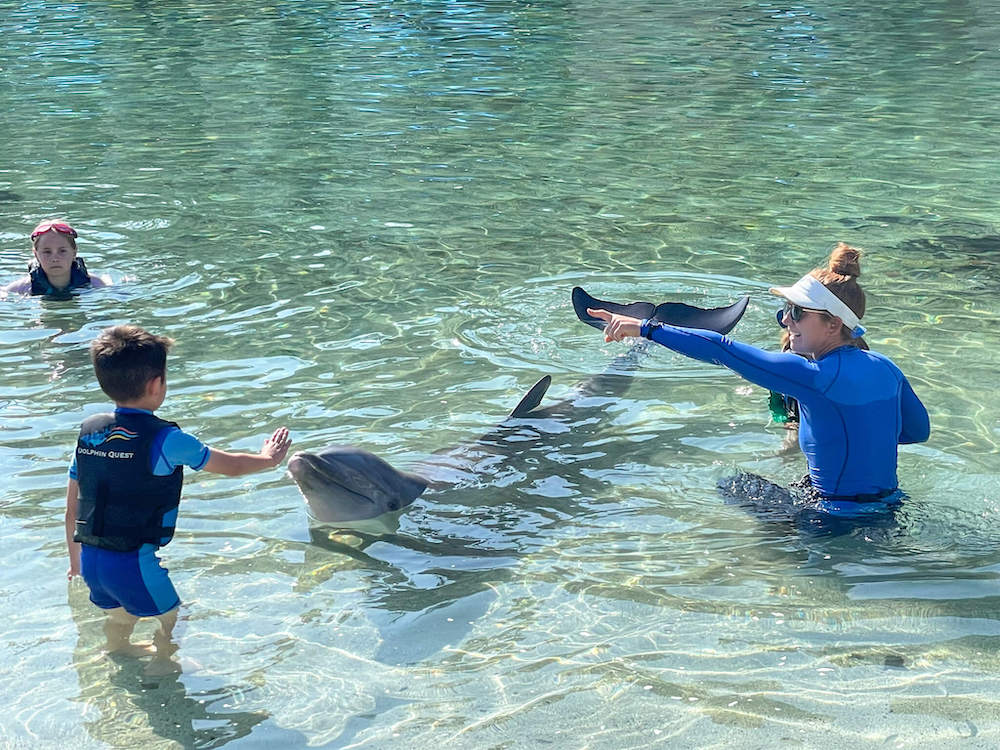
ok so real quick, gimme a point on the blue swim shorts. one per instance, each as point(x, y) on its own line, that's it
point(132, 580)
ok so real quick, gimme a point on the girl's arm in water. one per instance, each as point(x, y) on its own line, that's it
point(21, 286)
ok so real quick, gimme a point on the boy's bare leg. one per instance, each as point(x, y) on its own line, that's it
point(118, 629)
point(161, 663)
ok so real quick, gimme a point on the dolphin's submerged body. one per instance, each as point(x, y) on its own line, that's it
point(345, 484)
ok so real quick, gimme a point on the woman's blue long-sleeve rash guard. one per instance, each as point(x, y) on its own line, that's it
point(856, 406)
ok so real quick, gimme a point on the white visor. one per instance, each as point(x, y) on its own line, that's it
point(810, 292)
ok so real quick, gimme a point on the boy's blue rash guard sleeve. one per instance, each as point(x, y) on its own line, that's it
point(179, 448)
point(783, 372)
point(916, 424)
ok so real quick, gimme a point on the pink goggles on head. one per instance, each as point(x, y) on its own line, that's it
point(60, 226)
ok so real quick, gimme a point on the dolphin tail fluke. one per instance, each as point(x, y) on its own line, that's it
point(582, 300)
point(720, 319)
point(532, 398)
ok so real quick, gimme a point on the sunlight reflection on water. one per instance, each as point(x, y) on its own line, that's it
point(364, 222)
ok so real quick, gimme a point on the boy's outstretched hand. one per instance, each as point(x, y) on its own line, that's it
point(276, 446)
point(618, 326)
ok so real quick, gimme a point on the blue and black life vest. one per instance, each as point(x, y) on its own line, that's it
point(40, 284)
point(123, 505)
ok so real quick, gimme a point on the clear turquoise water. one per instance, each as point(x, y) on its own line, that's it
point(363, 221)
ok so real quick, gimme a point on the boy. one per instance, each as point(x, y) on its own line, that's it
point(125, 486)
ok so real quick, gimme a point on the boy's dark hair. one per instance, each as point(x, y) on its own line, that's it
point(126, 358)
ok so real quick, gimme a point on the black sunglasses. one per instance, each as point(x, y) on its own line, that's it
point(795, 312)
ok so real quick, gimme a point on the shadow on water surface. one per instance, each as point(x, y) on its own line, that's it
point(430, 581)
point(498, 498)
point(422, 595)
point(133, 709)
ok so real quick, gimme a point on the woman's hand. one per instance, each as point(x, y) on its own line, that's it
point(618, 326)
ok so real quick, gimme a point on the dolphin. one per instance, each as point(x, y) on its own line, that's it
point(347, 484)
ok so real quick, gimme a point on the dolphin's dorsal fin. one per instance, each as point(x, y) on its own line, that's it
point(532, 398)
